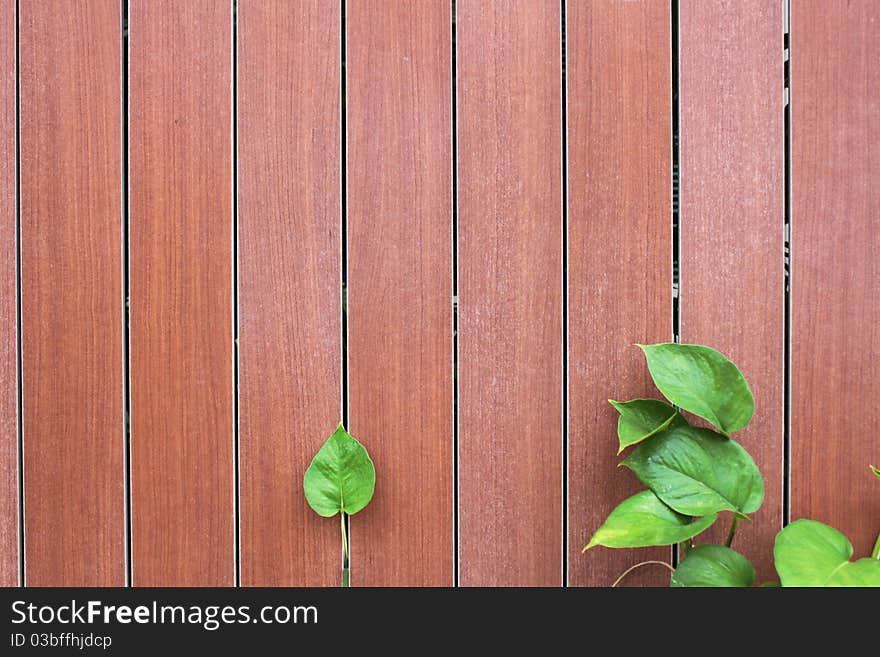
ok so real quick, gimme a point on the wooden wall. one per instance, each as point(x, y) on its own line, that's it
point(225, 226)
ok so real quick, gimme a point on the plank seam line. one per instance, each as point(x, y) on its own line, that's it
point(676, 189)
point(18, 337)
point(786, 368)
point(126, 301)
point(456, 550)
point(235, 328)
point(565, 287)
point(343, 237)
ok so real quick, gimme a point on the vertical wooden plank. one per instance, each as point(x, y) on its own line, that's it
point(510, 292)
point(9, 575)
point(71, 269)
point(620, 254)
point(398, 68)
point(180, 204)
point(289, 283)
point(732, 297)
point(835, 325)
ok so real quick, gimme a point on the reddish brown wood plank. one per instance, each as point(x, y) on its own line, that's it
point(398, 70)
point(835, 327)
point(620, 255)
point(180, 154)
point(71, 288)
point(732, 215)
point(9, 575)
point(289, 283)
point(510, 292)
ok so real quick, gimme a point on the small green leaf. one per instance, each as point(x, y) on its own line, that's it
point(714, 565)
point(642, 418)
point(702, 381)
point(643, 520)
point(875, 471)
point(697, 471)
point(341, 477)
point(810, 553)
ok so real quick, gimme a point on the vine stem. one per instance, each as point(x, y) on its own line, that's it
point(345, 579)
point(732, 531)
point(639, 565)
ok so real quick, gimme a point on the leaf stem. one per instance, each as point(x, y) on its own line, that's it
point(685, 547)
point(345, 581)
point(639, 565)
point(732, 532)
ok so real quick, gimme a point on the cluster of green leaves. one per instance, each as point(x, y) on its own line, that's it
point(693, 474)
point(340, 479)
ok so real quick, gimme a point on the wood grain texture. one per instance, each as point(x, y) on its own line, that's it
point(71, 288)
point(398, 76)
point(9, 566)
point(289, 283)
point(180, 154)
point(620, 255)
point(835, 325)
point(732, 215)
point(510, 292)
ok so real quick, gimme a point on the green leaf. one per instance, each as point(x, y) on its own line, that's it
point(642, 418)
point(714, 565)
point(863, 572)
point(702, 381)
point(810, 553)
point(341, 477)
point(697, 471)
point(643, 520)
point(875, 471)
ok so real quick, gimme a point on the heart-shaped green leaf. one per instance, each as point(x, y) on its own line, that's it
point(643, 520)
point(341, 477)
point(714, 565)
point(697, 471)
point(702, 381)
point(642, 418)
point(810, 553)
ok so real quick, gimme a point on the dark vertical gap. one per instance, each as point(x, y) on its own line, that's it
point(676, 185)
point(126, 355)
point(786, 472)
point(455, 510)
point(564, 301)
point(343, 141)
point(21, 572)
point(235, 434)
point(676, 198)
point(344, 225)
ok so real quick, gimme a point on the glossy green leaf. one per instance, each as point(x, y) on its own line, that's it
point(341, 477)
point(697, 471)
point(702, 381)
point(642, 418)
point(810, 553)
point(714, 565)
point(875, 471)
point(643, 520)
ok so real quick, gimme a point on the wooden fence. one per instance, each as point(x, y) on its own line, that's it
point(223, 226)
